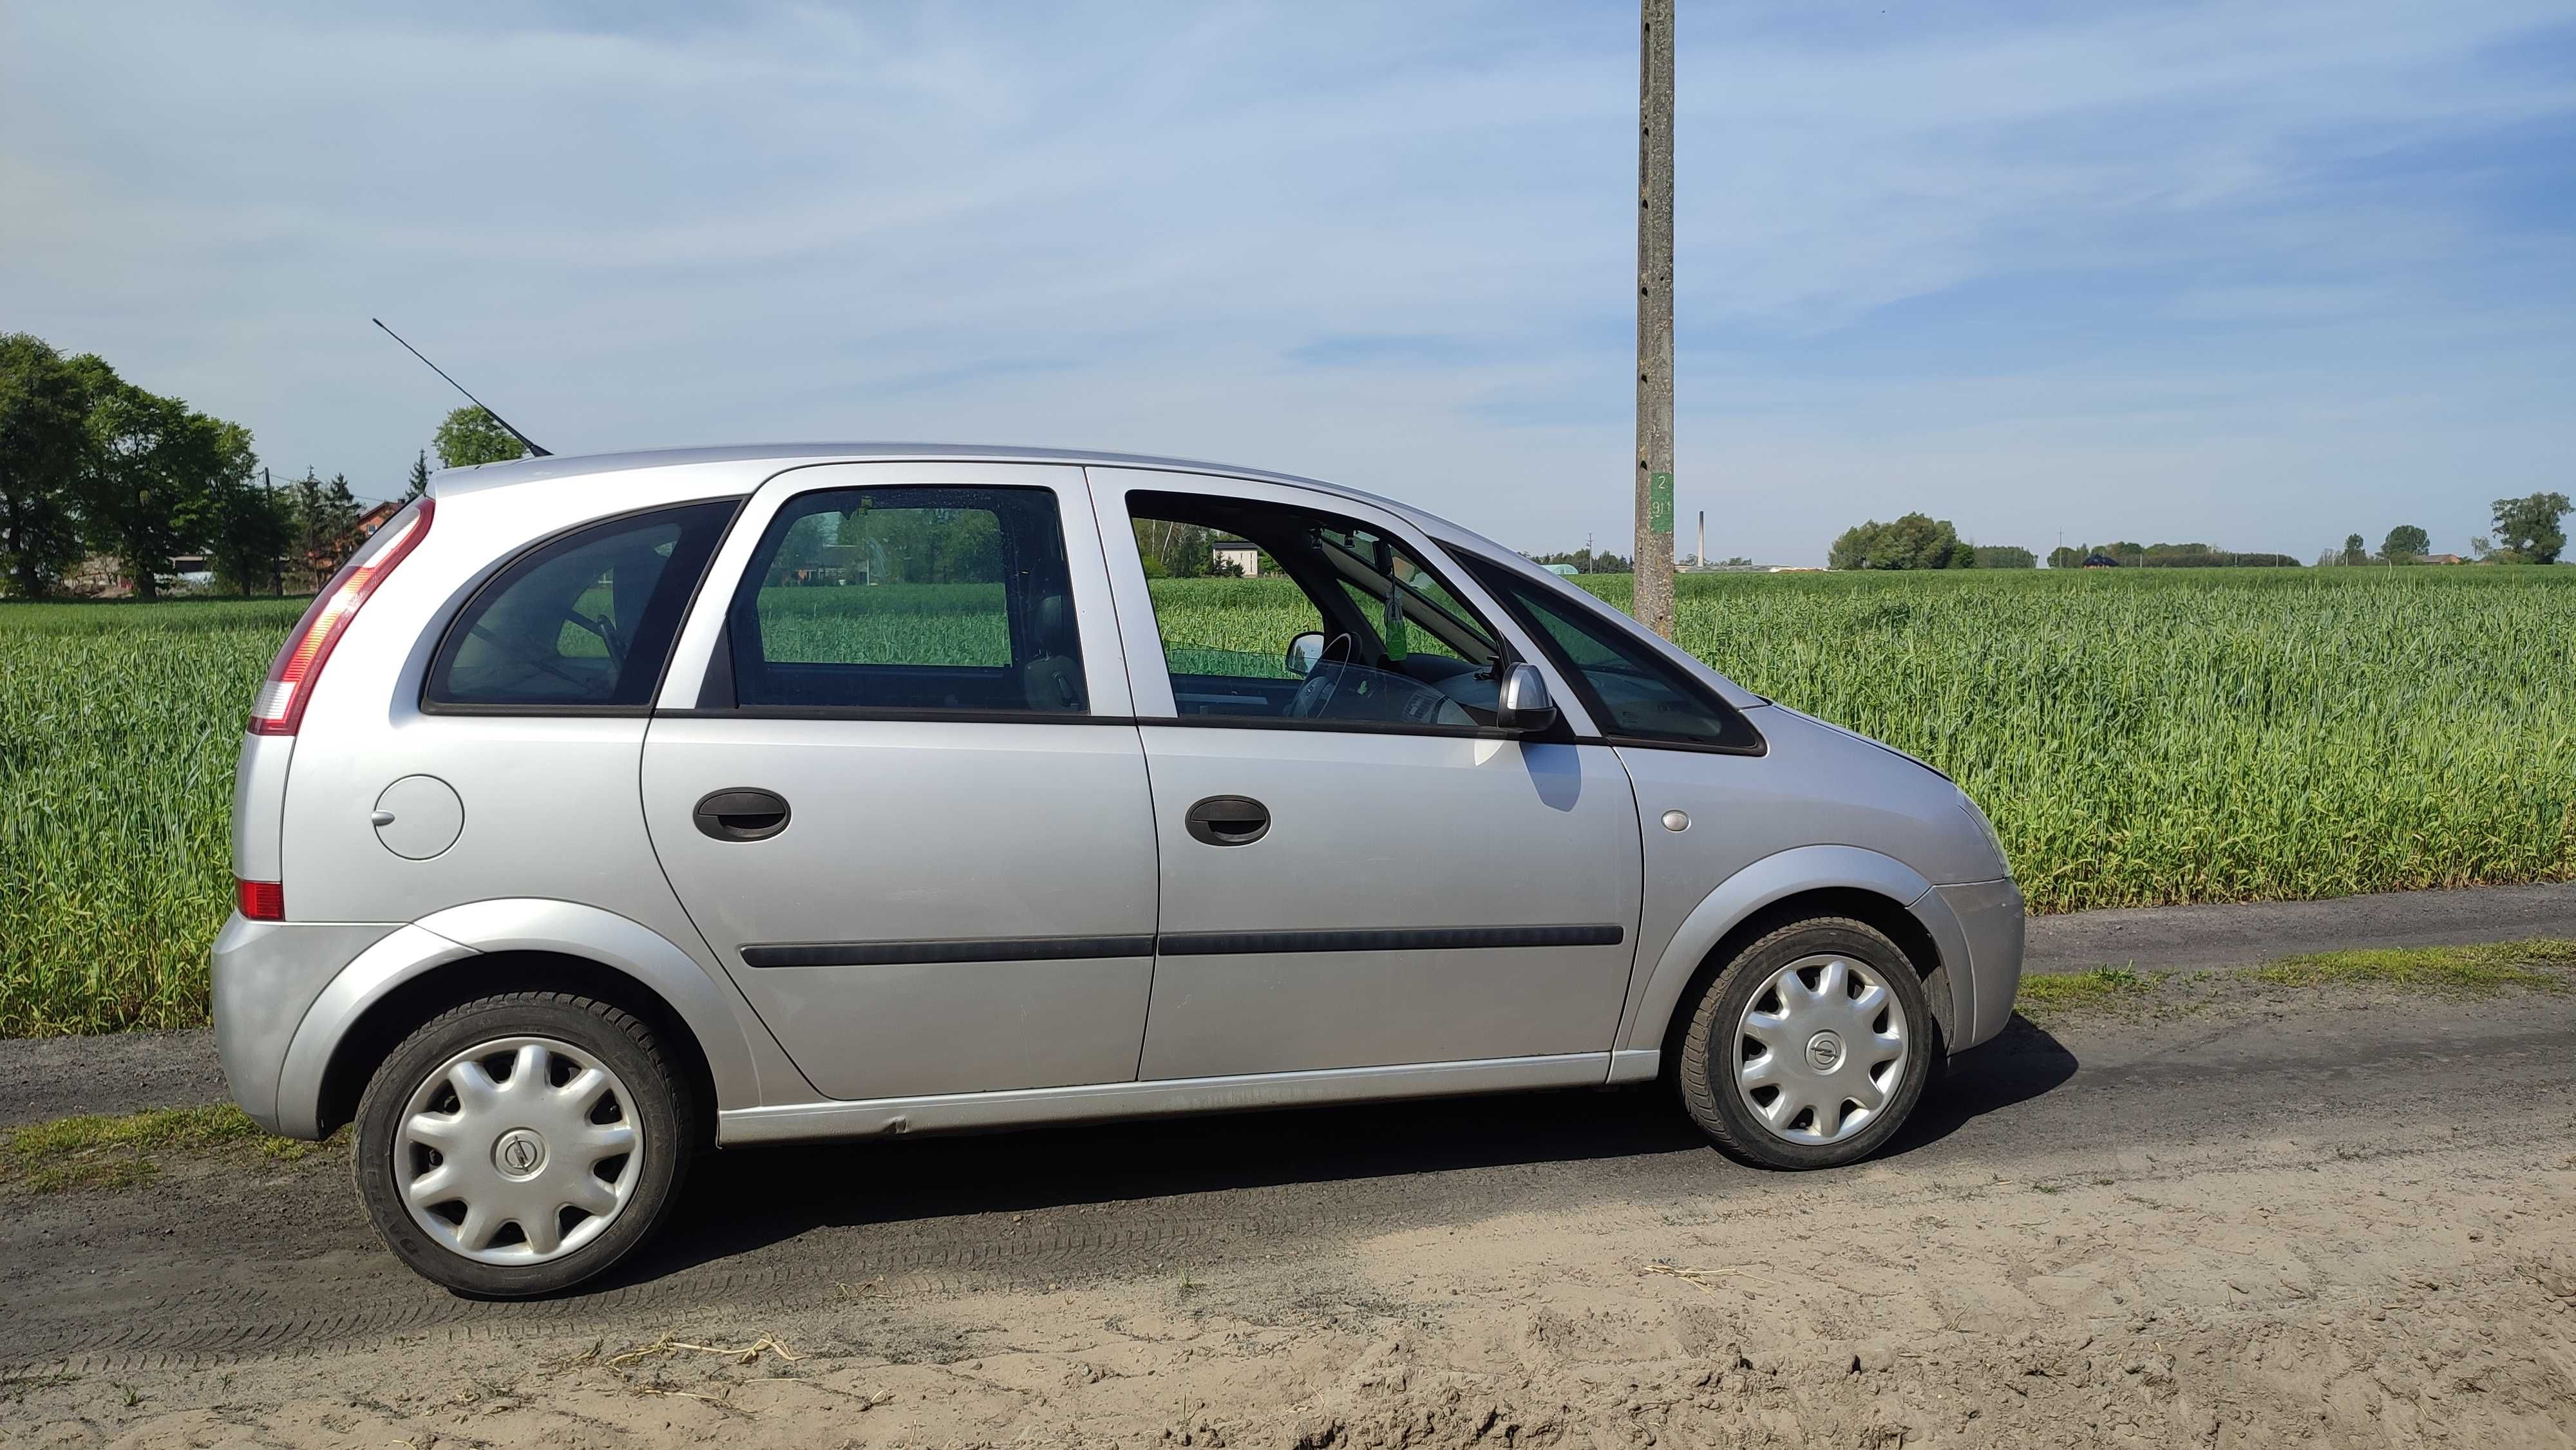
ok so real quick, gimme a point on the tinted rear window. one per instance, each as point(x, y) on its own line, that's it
point(584, 620)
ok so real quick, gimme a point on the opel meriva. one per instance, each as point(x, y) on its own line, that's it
point(606, 811)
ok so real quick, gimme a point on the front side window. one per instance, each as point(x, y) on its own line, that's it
point(921, 598)
point(584, 621)
point(1342, 624)
point(1632, 692)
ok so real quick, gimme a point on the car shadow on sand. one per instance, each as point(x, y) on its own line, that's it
point(744, 1200)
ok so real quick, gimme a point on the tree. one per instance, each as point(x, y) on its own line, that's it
point(2063, 557)
point(1175, 550)
point(418, 483)
point(2005, 556)
point(307, 531)
point(44, 439)
point(2405, 544)
point(323, 525)
point(245, 526)
point(151, 463)
point(1587, 561)
point(2529, 526)
point(340, 520)
point(2353, 551)
point(472, 435)
point(2205, 556)
point(1916, 541)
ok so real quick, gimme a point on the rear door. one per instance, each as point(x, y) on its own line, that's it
point(1358, 870)
point(893, 781)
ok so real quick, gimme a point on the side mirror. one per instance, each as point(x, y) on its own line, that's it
point(1524, 703)
point(1305, 652)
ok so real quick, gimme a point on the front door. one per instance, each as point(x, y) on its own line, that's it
point(1358, 869)
point(903, 802)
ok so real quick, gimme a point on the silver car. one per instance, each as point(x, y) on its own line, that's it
point(608, 810)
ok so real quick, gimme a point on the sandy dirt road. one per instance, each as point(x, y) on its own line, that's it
point(2244, 1216)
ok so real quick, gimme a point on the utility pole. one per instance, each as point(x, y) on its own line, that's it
point(1654, 578)
point(276, 569)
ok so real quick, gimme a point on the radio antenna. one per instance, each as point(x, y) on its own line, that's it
point(524, 440)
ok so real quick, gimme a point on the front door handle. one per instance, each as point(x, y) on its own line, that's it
point(741, 814)
point(1228, 820)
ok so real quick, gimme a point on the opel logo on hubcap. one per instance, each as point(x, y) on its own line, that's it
point(519, 1153)
point(1824, 1052)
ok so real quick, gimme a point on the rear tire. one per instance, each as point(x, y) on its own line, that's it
point(520, 1144)
point(1809, 1049)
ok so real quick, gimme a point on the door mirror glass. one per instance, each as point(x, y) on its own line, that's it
point(1525, 701)
point(1305, 652)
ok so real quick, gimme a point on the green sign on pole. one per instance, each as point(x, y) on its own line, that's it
point(1659, 502)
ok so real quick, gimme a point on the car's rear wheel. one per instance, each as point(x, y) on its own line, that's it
point(1810, 1048)
point(520, 1144)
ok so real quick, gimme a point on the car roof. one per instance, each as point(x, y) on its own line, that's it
point(480, 477)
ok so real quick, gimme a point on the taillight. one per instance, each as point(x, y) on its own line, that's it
point(292, 675)
point(260, 900)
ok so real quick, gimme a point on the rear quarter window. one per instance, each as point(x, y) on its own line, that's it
point(583, 621)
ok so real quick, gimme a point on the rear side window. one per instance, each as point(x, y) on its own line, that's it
point(933, 598)
point(1632, 691)
point(584, 621)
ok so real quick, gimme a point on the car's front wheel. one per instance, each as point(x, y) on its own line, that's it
point(1810, 1047)
point(520, 1144)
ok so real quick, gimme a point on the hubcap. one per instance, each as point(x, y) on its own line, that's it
point(518, 1150)
point(519, 1153)
point(1820, 1050)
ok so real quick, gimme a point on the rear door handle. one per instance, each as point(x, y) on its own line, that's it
point(1228, 820)
point(741, 814)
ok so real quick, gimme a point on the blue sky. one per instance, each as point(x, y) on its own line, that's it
point(2259, 275)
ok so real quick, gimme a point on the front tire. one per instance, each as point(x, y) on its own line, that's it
point(520, 1144)
point(1810, 1048)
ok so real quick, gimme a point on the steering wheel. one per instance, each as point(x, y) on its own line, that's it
point(606, 631)
point(1315, 696)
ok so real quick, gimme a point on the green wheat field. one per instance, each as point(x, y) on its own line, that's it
point(2138, 737)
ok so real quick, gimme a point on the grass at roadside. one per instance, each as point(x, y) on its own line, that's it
point(2479, 969)
point(96, 1151)
point(2542, 964)
point(2063, 993)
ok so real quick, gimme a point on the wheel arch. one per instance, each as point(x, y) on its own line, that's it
point(1802, 882)
point(465, 952)
point(398, 1013)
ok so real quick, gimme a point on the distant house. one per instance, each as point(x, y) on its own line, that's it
point(2440, 559)
point(1244, 555)
point(375, 516)
point(1568, 570)
point(2099, 560)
